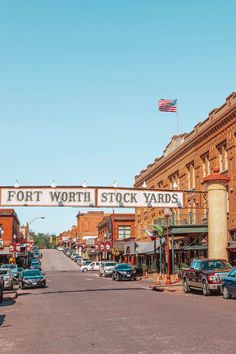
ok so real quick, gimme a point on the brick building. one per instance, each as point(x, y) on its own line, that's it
point(185, 162)
point(113, 232)
point(10, 225)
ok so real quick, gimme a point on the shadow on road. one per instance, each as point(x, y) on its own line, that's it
point(2, 318)
point(82, 291)
point(7, 302)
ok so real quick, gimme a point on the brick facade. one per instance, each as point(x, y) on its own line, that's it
point(185, 162)
point(10, 226)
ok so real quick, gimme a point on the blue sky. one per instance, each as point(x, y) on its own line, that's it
point(80, 80)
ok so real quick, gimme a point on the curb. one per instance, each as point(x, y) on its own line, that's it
point(163, 288)
point(9, 295)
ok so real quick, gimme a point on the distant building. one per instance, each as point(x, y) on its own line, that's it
point(113, 232)
point(87, 226)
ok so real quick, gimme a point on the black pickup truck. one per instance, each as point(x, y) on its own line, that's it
point(205, 275)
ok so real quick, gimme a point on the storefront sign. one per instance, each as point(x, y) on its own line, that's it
point(90, 197)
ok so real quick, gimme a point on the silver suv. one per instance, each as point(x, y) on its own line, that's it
point(106, 268)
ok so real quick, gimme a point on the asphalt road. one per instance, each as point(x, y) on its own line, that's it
point(82, 313)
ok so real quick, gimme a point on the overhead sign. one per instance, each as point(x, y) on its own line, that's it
point(90, 197)
point(131, 198)
point(41, 196)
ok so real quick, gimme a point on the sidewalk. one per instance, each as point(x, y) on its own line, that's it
point(157, 284)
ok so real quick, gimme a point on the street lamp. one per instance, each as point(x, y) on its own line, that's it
point(38, 217)
point(167, 213)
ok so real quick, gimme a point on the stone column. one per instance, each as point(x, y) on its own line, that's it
point(217, 214)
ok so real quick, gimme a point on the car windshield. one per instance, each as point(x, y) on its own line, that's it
point(6, 266)
point(87, 262)
point(215, 264)
point(31, 273)
point(4, 272)
point(111, 264)
point(233, 273)
point(124, 267)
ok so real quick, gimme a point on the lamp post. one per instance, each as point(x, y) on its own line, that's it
point(38, 217)
point(167, 213)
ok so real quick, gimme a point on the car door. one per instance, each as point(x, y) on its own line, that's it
point(231, 282)
point(198, 274)
point(191, 274)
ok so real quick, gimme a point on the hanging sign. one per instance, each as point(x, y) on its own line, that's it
point(90, 197)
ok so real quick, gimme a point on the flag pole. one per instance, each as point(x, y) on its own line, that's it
point(177, 117)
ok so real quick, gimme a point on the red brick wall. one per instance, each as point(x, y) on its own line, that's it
point(10, 225)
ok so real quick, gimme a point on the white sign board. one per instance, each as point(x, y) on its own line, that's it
point(90, 197)
point(130, 198)
point(81, 197)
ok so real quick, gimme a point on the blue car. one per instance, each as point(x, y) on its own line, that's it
point(229, 285)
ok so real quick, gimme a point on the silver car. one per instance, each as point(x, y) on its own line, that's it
point(106, 268)
point(8, 278)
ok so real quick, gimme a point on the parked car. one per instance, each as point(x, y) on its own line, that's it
point(13, 269)
point(73, 255)
point(32, 278)
point(92, 266)
point(85, 265)
point(35, 265)
point(1, 287)
point(106, 268)
point(8, 278)
point(76, 258)
point(124, 271)
point(81, 261)
point(60, 248)
point(19, 271)
point(205, 275)
point(229, 285)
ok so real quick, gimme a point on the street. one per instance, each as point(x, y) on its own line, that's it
point(83, 313)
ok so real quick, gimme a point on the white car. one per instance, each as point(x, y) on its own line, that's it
point(60, 248)
point(106, 268)
point(93, 266)
point(84, 266)
point(8, 278)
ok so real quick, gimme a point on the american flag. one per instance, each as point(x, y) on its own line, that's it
point(167, 105)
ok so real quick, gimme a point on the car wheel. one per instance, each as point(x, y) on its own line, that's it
point(205, 289)
point(100, 274)
point(226, 294)
point(113, 277)
point(186, 287)
point(134, 278)
point(85, 270)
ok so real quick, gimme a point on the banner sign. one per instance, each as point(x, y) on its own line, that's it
point(130, 198)
point(80, 197)
point(90, 197)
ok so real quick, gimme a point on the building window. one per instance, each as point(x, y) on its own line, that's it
point(124, 232)
point(191, 175)
point(223, 157)
point(160, 185)
point(174, 181)
point(205, 165)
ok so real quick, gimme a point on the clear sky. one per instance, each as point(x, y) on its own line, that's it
point(80, 80)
